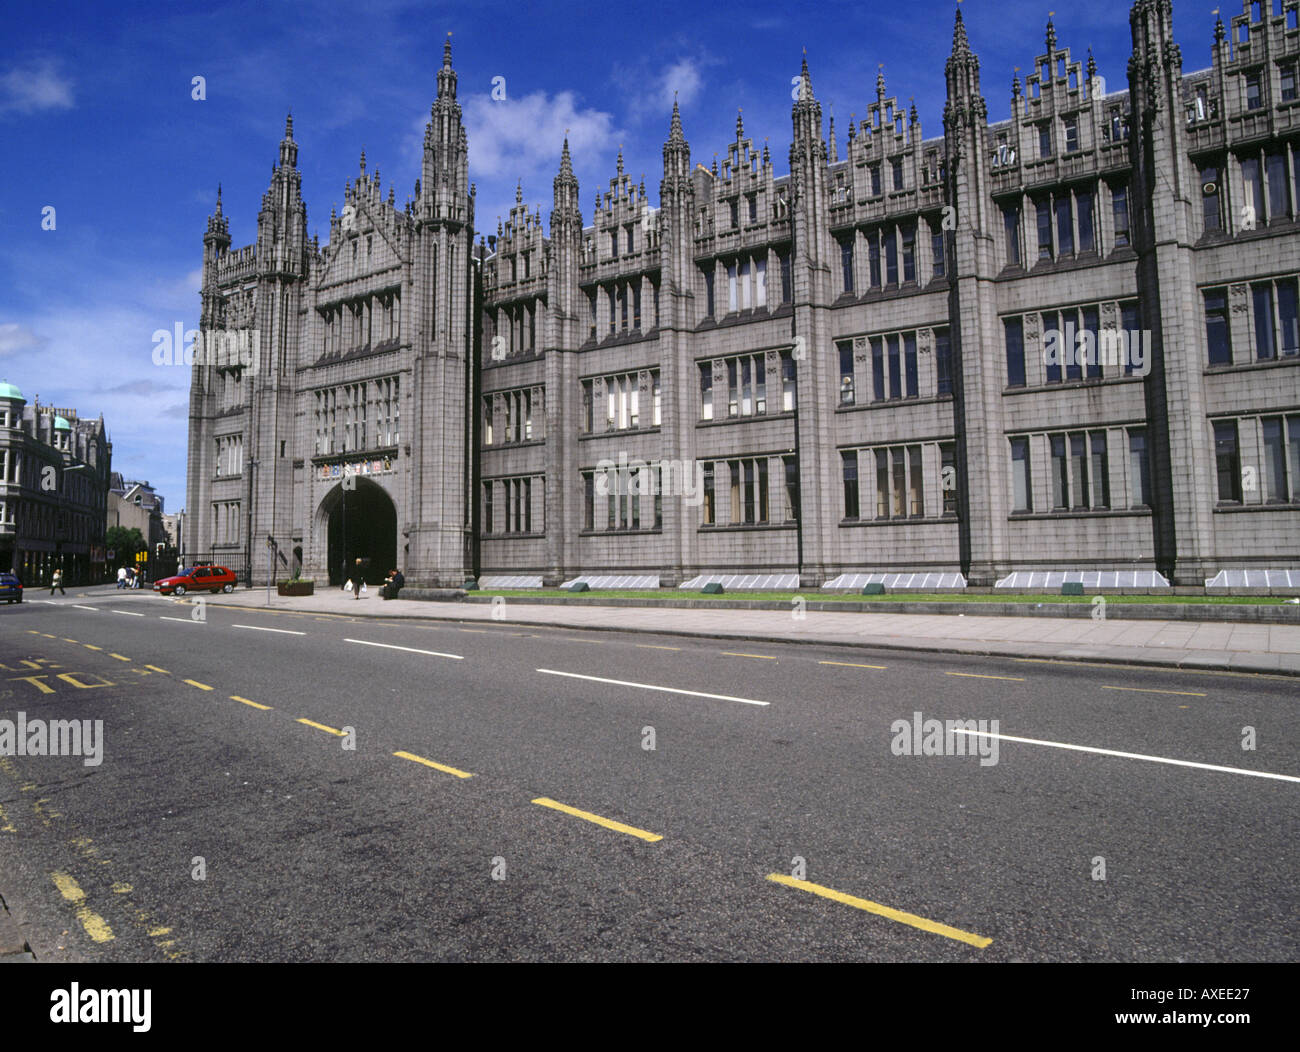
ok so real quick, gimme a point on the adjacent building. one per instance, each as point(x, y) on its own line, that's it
point(54, 478)
point(1068, 340)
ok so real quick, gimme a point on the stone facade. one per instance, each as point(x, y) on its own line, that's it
point(866, 364)
point(54, 479)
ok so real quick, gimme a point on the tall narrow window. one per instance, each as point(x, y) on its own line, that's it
point(943, 362)
point(1211, 218)
point(745, 301)
point(873, 258)
point(489, 518)
point(708, 292)
point(846, 263)
point(1092, 325)
point(846, 373)
point(1071, 134)
point(948, 476)
point(915, 483)
point(1262, 297)
point(876, 188)
point(709, 497)
point(787, 382)
point(850, 469)
point(760, 283)
point(1044, 209)
point(1083, 206)
point(1287, 81)
point(1044, 140)
point(899, 462)
point(787, 283)
point(895, 373)
point(1287, 310)
point(1015, 337)
point(791, 466)
point(731, 288)
point(1100, 470)
point(1064, 225)
point(1119, 210)
point(891, 258)
point(1227, 460)
point(937, 253)
point(1216, 327)
point(731, 387)
point(1254, 90)
point(1139, 469)
point(882, 483)
point(1060, 473)
point(909, 364)
point(1254, 190)
point(908, 238)
point(1020, 487)
point(1011, 230)
point(877, 369)
point(1275, 479)
point(1275, 169)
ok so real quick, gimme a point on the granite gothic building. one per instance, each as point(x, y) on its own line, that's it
point(1065, 341)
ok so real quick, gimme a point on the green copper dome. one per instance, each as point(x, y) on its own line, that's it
point(61, 425)
point(10, 391)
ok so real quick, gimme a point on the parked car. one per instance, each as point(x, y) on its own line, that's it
point(199, 579)
point(11, 589)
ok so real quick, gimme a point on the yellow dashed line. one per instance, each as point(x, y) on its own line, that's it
point(608, 823)
point(91, 646)
point(121, 888)
point(96, 927)
point(48, 636)
point(322, 727)
point(654, 646)
point(976, 675)
point(1152, 690)
point(155, 933)
point(436, 766)
point(5, 825)
point(978, 941)
point(236, 697)
point(155, 668)
point(118, 656)
point(193, 683)
point(850, 664)
point(733, 653)
point(67, 640)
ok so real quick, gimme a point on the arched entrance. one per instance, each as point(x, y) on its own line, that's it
point(362, 525)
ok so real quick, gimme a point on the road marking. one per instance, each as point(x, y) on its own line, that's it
point(1152, 690)
point(732, 653)
point(608, 823)
point(180, 620)
point(5, 825)
point(322, 727)
point(67, 640)
point(118, 656)
point(259, 628)
point(480, 631)
point(48, 636)
point(155, 668)
point(978, 941)
point(256, 705)
point(649, 686)
point(95, 925)
point(412, 650)
point(850, 664)
point(654, 646)
point(436, 766)
point(129, 613)
point(122, 888)
point(1133, 756)
point(79, 606)
point(976, 675)
point(196, 683)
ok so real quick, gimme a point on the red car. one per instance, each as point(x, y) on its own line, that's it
point(199, 579)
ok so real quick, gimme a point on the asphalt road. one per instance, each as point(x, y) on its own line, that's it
point(772, 820)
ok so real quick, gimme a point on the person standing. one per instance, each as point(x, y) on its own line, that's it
point(57, 582)
point(358, 580)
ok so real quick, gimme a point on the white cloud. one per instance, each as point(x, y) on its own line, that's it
point(520, 135)
point(15, 338)
point(34, 87)
point(649, 92)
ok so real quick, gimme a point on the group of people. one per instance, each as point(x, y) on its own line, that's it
point(393, 583)
point(127, 577)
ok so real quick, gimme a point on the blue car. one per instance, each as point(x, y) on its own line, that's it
point(11, 589)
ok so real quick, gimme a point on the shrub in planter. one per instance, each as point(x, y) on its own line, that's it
point(296, 586)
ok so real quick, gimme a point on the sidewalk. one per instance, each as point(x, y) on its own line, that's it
point(1261, 648)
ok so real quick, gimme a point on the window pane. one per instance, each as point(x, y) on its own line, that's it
point(1100, 470)
point(1091, 325)
point(1064, 226)
point(1262, 296)
point(895, 374)
point(1119, 207)
point(1060, 476)
point(1020, 474)
point(1083, 201)
point(1287, 309)
point(943, 361)
point(915, 488)
point(1216, 327)
point(882, 483)
point(1011, 228)
point(1139, 470)
point(1015, 352)
point(900, 483)
point(909, 363)
point(850, 468)
point(1079, 469)
point(1226, 460)
point(846, 373)
point(1044, 230)
point(877, 369)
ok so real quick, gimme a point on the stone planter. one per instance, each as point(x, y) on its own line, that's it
point(295, 587)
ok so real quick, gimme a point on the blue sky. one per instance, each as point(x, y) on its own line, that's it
point(97, 120)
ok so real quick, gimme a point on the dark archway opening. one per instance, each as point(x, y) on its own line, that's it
point(362, 525)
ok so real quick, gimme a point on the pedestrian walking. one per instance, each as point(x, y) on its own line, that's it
point(121, 577)
point(358, 580)
point(57, 582)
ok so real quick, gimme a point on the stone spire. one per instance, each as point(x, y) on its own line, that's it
point(960, 42)
point(835, 150)
point(288, 148)
point(1051, 35)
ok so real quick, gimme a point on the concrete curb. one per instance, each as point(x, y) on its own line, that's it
point(1198, 661)
point(1255, 614)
